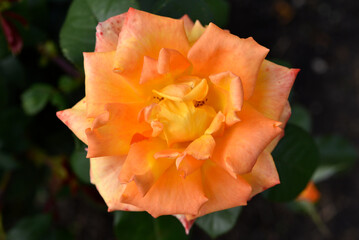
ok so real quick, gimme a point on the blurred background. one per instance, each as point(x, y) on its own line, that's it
point(44, 181)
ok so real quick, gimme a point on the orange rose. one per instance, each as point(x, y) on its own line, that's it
point(179, 118)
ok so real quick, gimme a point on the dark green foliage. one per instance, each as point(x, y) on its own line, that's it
point(218, 223)
point(296, 158)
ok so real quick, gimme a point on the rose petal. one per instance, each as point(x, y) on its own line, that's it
point(263, 175)
point(171, 194)
point(75, 119)
point(188, 23)
point(219, 51)
point(187, 224)
point(145, 34)
point(182, 121)
point(201, 148)
point(272, 89)
point(172, 61)
point(103, 85)
point(196, 32)
point(149, 72)
point(222, 190)
point(287, 111)
point(107, 33)
point(217, 125)
point(187, 164)
point(112, 132)
point(104, 174)
point(141, 165)
point(158, 73)
point(226, 95)
point(239, 148)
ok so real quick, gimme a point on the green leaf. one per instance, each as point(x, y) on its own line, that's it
point(301, 117)
point(336, 155)
point(68, 84)
point(218, 223)
point(296, 158)
point(79, 30)
point(58, 100)
point(31, 228)
point(140, 225)
point(220, 10)
point(35, 98)
point(79, 163)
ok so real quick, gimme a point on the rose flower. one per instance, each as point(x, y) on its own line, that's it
point(179, 118)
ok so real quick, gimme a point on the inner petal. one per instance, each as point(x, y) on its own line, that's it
point(192, 89)
point(182, 121)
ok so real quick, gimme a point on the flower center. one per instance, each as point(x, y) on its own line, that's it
point(179, 112)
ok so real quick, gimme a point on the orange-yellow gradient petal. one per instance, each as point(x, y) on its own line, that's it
point(222, 190)
point(112, 132)
point(141, 165)
point(107, 33)
point(238, 149)
point(145, 34)
point(103, 85)
point(104, 173)
point(219, 51)
point(170, 194)
point(183, 121)
point(263, 175)
point(75, 119)
point(272, 89)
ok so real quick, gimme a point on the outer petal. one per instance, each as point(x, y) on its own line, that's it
point(104, 174)
point(75, 119)
point(239, 148)
point(141, 166)
point(287, 111)
point(112, 132)
point(187, 224)
point(107, 33)
point(144, 34)
point(219, 51)
point(188, 23)
point(171, 194)
point(272, 89)
point(196, 32)
point(222, 190)
point(263, 175)
point(105, 86)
